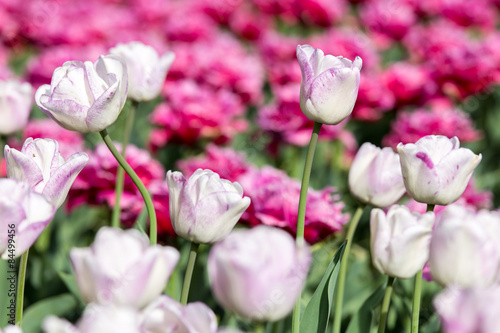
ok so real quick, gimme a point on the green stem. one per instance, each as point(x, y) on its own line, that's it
point(189, 272)
point(339, 297)
point(301, 217)
point(137, 181)
point(385, 304)
point(20, 288)
point(417, 291)
point(120, 175)
point(259, 328)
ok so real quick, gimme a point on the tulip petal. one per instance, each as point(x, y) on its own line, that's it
point(22, 167)
point(105, 109)
point(59, 184)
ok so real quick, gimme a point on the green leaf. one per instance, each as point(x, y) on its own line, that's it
point(317, 312)
point(361, 321)
point(70, 282)
point(58, 305)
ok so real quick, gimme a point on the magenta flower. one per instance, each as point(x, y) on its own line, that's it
point(15, 105)
point(204, 208)
point(23, 216)
point(121, 268)
point(168, 315)
point(43, 167)
point(375, 176)
point(258, 273)
point(329, 85)
point(399, 241)
point(435, 169)
point(85, 97)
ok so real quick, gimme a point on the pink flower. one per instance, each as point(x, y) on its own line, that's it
point(249, 23)
point(374, 98)
point(391, 18)
point(410, 83)
point(440, 120)
point(193, 112)
point(96, 184)
point(23, 217)
point(228, 163)
point(320, 12)
point(41, 165)
point(199, 26)
point(479, 13)
point(275, 200)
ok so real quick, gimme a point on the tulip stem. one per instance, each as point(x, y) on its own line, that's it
point(417, 292)
point(20, 288)
point(301, 216)
point(339, 297)
point(385, 304)
point(137, 181)
point(120, 175)
point(193, 252)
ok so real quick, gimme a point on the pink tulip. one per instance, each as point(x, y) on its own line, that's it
point(23, 216)
point(436, 170)
point(258, 273)
point(43, 167)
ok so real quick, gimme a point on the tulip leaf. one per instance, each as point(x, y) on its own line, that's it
point(60, 305)
point(361, 321)
point(70, 282)
point(317, 312)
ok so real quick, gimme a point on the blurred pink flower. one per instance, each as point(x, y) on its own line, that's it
point(479, 13)
point(445, 120)
point(199, 26)
point(228, 163)
point(222, 63)
point(323, 13)
point(275, 200)
point(249, 23)
point(410, 83)
point(389, 17)
point(96, 183)
point(194, 112)
point(374, 98)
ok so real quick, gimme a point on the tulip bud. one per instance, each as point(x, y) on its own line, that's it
point(205, 208)
point(399, 241)
point(23, 216)
point(375, 176)
point(121, 268)
point(436, 170)
point(329, 86)
point(464, 249)
point(258, 273)
point(168, 315)
point(146, 70)
point(85, 97)
point(43, 167)
point(16, 100)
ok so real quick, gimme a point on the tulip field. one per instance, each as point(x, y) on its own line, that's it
point(267, 166)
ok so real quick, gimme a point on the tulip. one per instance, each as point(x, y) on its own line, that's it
point(205, 208)
point(97, 319)
point(329, 86)
point(436, 170)
point(41, 165)
point(258, 273)
point(85, 97)
point(15, 105)
point(11, 329)
point(375, 176)
point(23, 216)
point(121, 268)
point(168, 315)
point(399, 241)
point(146, 69)
point(473, 310)
point(464, 249)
